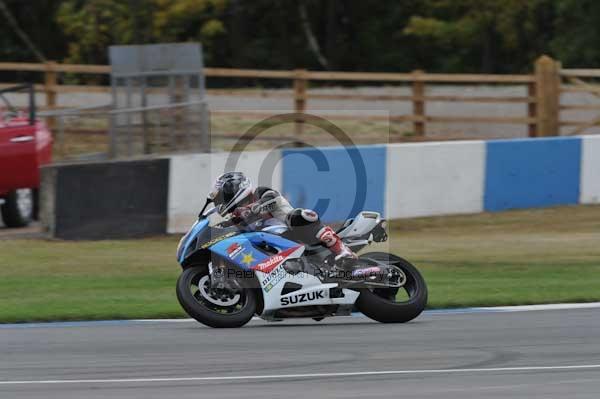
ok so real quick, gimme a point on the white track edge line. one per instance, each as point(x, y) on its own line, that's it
point(490, 309)
point(528, 308)
point(485, 309)
point(299, 376)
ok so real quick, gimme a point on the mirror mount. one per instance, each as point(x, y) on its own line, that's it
point(208, 201)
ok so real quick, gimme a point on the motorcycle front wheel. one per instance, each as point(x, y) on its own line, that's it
point(219, 308)
point(389, 305)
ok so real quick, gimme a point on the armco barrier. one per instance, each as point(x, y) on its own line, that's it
point(532, 173)
point(434, 178)
point(411, 180)
point(105, 200)
point(191, 176)
point(336, 182)
point(137, 198)
point(590, 170)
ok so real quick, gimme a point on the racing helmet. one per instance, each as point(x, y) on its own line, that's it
point(230, 190)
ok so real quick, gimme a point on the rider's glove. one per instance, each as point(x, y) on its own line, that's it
point(242, 212)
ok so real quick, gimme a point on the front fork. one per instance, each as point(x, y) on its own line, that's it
point(218, 278)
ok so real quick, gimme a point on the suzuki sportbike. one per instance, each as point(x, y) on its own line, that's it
point(234, 272)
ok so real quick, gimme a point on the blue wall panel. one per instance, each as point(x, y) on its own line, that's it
point(532, 173)
point(333, 182)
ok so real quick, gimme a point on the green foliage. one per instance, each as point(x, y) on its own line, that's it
point(184, 20)
point(36, 19)
point(93, 25)
point(492, 34)
point(386, 35)
point(578, 24)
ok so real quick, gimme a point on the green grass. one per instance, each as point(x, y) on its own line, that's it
point(510, 258)
point(51, 280)
point(520, 257)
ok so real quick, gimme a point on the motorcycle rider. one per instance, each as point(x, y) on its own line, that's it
point(237, 199)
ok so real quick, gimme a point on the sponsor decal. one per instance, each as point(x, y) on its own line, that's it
point(234, 250)
point(247, 259)
point(216, 240)
point(273, 278)
point(301, 298)
point(367, 271)
point(267, 265)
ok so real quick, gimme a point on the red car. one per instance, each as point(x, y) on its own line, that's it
point(25, 145)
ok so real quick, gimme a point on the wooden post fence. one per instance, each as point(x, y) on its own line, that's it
point(547, 82)
point(50, 82)
point(418, 92)
point(300, 84)
point(542, 102)
point(531, 110)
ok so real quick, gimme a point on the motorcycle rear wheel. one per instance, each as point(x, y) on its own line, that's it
point(380, 304)
point(193, 299)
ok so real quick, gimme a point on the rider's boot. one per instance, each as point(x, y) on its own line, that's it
point(346, 265)
point(332, 241)
point(345, 259)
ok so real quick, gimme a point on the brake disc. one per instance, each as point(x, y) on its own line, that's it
point(212, 297)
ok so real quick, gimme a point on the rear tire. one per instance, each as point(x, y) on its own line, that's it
point(379, 304)
point(212, 318)
point(18, 208)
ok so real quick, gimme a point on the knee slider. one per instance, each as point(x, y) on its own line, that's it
point(309, 215)
point(302, 217)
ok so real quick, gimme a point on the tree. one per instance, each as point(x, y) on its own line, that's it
point(496, 35)
point(577, 33)
point(45, 35)
point(501, 36)
point(93, 25)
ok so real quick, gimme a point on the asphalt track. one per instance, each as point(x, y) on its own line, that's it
point(479, 354)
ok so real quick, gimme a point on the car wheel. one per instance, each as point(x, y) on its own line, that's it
point(18, 208)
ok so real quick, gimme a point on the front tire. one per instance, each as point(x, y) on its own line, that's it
point(192, 293)
point(18, 208)
point(380, 304)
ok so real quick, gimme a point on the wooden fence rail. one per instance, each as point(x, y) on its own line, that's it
point(577, 84)
point(541, 102)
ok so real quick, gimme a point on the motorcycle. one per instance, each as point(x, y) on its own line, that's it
point(233, 272)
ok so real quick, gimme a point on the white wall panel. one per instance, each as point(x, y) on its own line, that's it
point(425, 179)
point(191, 176)
point(590, 170)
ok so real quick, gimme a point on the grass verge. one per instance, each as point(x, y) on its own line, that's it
point(520, 257)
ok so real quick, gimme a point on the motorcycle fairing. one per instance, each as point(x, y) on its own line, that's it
point(201, 237)
point(185, 245)
point(242, 250)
